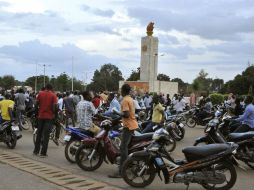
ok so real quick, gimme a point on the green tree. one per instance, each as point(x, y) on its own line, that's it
point(242, 83)
point(182, 86)
point(135, 75)
point(8, 82)
point(201, 83)
point(107, 78)
point(163, 77)
point(63, 83)
point(30, 81)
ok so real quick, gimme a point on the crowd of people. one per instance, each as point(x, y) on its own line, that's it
point(79, 107)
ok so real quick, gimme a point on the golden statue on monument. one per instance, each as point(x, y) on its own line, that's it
point(149, 29)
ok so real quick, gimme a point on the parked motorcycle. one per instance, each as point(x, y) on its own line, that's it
point(9, 134)
point(93, 151)
point(206, 165)
point(196, 120)
point(214, 134)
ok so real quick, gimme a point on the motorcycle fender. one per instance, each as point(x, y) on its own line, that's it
point(90, 141)
point(200, 140)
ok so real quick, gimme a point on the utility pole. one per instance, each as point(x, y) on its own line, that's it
point(72, 74)
point(35, 84)
point(44, 73)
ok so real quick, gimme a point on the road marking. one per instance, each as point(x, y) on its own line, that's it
point(53, 174)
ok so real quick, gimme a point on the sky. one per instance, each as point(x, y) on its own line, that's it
point(217, 36)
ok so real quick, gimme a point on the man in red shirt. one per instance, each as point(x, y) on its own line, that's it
point(47, 106)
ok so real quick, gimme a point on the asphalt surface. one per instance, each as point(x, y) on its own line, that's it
point(56, 157)
point(14, 179)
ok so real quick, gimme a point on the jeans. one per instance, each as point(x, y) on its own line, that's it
point(126, 139)
point(58, 128)
point(19, 117)
point(149, 127)
point(43, 132)
point(72, 116)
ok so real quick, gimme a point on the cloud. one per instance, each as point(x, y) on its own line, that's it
point(99, 12)
point(4, 4)
point(58, 57)
point(209, 19)
point(104, 13)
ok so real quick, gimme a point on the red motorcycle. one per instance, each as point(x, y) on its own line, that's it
point(93, 151)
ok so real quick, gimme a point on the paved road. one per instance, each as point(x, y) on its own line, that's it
point(56, 158)
point(14, 179)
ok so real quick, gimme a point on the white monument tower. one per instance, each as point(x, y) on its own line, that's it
point(149, 67)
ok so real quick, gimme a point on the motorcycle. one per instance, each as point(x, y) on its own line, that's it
point(93, 151)
point(175, 127)
point(9, 134)
point(206, 165)
point(218, 133)
point(73, 139)
point(194, 120)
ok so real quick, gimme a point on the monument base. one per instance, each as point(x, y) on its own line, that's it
point(164, 87)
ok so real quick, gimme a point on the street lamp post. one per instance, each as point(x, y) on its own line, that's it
point(44, 73)
point(72, 74)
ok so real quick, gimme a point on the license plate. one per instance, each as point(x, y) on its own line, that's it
point(15, 128)
point(159, 161)
point(181, 125)
point(67, 138)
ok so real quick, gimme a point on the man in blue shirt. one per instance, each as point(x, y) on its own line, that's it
point(113, 104)
point(247, 119)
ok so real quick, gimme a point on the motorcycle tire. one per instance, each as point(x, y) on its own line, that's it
point(128, 168)
point(170, 146)
point(80, 156)
point(190, 122)
point(233, 176)
point(69, 151)
point(26, 123)
point(13, 141)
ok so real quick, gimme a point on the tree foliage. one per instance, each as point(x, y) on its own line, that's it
point(7, 81)
point(242, 83)
point(107, 78)
point(135, 75)
point(163, 77)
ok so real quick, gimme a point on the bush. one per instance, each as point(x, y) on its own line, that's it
point(217, 98)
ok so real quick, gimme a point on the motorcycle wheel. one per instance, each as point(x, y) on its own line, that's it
point(229, 183)
point(34, 136)
point(190, 122)
point(82, 154)
point(170, 145)
point(26, 123)
point(179, 133)
point(71, 149)
point(132, 166)
point(13, 141)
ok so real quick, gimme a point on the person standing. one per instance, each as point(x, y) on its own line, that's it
point(130, 124)
point(158, 115)
point(47, 106)
point(69, 106)
point(20, 99)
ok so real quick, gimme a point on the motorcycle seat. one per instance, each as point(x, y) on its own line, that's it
point(142, 137)
point(240, 136)
point(198, 152)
